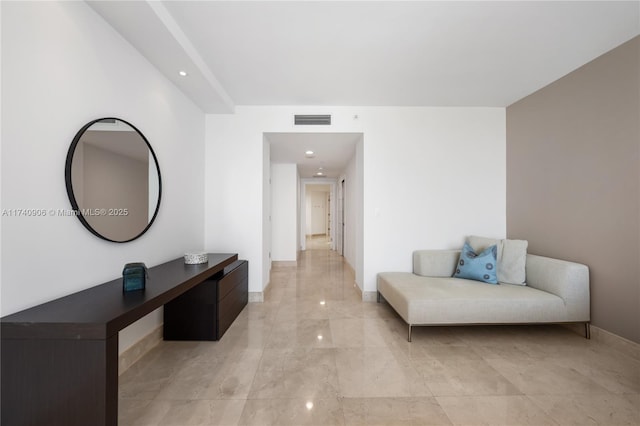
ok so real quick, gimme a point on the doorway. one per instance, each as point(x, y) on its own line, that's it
point(318, 218)
point(300, 160)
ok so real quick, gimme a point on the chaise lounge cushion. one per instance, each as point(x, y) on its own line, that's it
point(438, 300)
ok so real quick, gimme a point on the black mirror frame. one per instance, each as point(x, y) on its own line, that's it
point(69, 185)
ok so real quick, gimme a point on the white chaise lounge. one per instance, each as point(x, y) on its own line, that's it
point(556, 291)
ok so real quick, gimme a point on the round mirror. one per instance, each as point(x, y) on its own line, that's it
point(113, 180)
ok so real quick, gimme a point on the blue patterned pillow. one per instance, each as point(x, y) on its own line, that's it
point(479, 267)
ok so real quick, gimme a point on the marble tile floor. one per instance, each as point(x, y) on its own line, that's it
point(314, 354)
point(318, 242)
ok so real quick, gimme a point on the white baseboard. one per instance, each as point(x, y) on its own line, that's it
point(139, 349)
point(369, 296)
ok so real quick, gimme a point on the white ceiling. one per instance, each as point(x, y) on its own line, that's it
point(366, 53)
point(432, 53)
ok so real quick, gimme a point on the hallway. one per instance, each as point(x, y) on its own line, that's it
point(314, 354)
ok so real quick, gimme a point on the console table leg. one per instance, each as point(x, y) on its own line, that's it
point(59, 382)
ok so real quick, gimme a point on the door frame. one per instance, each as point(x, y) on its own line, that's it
point(303, 208)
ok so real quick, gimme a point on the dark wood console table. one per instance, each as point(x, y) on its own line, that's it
point(59, 362)
point(206, 311)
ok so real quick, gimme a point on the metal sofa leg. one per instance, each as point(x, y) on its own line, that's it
point(409, 339)
point(378, 296)
point(587, 330)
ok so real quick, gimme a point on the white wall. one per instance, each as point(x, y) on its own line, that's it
point(298, 211)
point(63, 66)
point(266, 219)
point(283, 212)
point(431, 176)
point(353, 211)
point(1, 116)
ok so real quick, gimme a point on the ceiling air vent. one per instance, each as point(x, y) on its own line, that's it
point(306, 120)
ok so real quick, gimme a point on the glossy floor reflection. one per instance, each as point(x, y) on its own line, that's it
point(314, 354)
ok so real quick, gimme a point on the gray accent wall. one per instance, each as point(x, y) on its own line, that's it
point(573, 179)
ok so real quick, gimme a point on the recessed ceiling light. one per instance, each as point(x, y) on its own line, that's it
point(309, 405)
point(309, 153)
point(320, 168)
point(183, 73)
point(319, 174)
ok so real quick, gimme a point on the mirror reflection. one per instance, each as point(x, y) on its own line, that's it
point(113, 179)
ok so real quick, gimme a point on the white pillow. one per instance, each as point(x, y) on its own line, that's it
point(512, 257)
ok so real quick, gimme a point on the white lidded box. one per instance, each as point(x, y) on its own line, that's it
point(195, 257)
